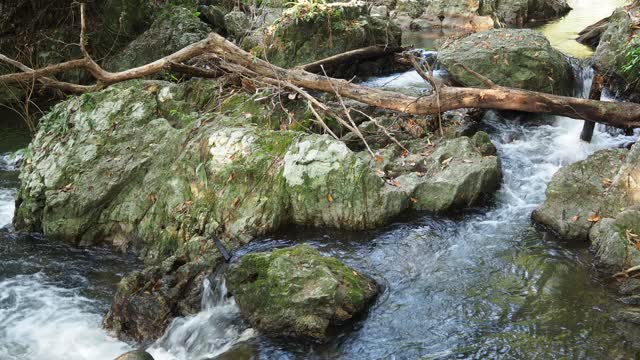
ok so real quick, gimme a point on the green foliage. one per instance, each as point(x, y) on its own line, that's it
point(631, 66)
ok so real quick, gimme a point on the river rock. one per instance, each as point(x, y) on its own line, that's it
point(518, 58)
point(237, 24)
point(460, 173)
point(612, 241)
point(304, 34)
point(135, 355)
point(511, 12)
point(173, 28)
point(619, 36)
point(296, 292)
point(576, 193)
point(146, 301)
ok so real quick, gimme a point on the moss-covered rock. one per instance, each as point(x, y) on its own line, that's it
point(576, 194)
point(296, 292)
point(518, 58)
point(173, 28)
point(135, 355)
point(613, 241)
point(512, 12)
point(311, 31)
point(620, 36)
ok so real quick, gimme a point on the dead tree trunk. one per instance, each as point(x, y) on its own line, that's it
point(623, 115)
point(594, 94)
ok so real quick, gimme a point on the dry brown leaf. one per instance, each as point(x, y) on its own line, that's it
point(379, 159)
point(606, 183)
point(594, 218)
point(575, 219)
point(329, 198)
point(413, 200)
point(235, 202)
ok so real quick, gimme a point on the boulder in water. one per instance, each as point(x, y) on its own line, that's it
point(135, 355)
point(517, 58)
point(296, 292)
point(598, 199)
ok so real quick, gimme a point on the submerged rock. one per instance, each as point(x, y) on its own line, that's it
point(135, 355)
point(296, 292)
point(518, 58)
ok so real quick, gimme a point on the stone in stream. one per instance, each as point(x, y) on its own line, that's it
point(160, 169)
point(598, 199)
point(466, 15)
point(517, 58)
point(296, 292)
point(135, 355)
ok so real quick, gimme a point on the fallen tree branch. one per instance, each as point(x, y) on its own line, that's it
point(368, 53)
point(624, 115)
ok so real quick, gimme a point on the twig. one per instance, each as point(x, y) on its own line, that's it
point(483, 79)
point(354, 127)
point(386, 132)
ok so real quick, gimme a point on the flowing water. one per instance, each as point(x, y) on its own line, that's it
point(482, 284)
point(563, 32)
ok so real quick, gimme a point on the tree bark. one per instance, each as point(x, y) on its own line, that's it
point(594, 94)
point(623, 114)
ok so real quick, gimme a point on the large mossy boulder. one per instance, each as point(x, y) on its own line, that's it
point(620, 36)
point(173, 28)
point(597, 200)
point(296, 292)
point(162, 168)
point(576, 193)
point(308, 32)
point(518, 58)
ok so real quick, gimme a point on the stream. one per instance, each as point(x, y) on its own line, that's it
point(481, 284)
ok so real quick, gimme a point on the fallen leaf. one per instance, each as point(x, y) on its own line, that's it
point(329, 198)
point(575, 219)
point(420, 174)
point(404, 154)
point(467, 161)
point(380, 173)
point(67, 187)
point(355, 273)
point(413, 200)
point(235, 202)
point(153, 198)
point(606, 183)
point(594, 218)
point(379, 159)
point(292, 96)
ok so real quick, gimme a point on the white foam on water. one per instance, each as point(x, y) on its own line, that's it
point(207, 334)
point(39, 320)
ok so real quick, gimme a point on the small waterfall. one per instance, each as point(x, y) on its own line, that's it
point(213, 331)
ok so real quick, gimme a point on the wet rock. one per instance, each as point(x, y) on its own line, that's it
point(612, 241)
point(323, 31)
point(296, 292)
point(518, 58)
point(457, 175)
point(173, 28)
point(145, 302)
point(576, 193)
point(135, 355)
point(511, 12)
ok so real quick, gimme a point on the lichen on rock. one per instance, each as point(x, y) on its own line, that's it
point(296, 292)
